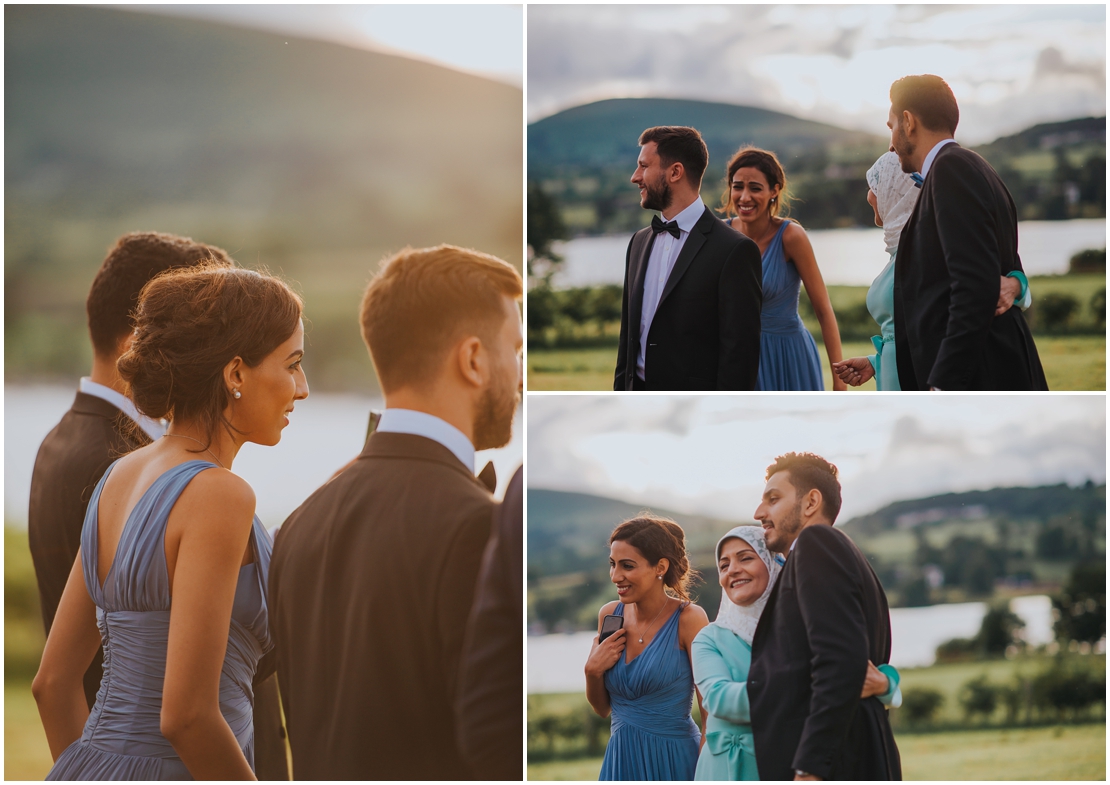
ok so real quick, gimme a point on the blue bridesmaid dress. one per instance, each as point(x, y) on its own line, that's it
point(788, 358)
point(880, 304)
point(122, 739)
point(653, 736)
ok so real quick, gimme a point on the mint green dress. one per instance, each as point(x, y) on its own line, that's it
point(880, 304)
point(721, 663)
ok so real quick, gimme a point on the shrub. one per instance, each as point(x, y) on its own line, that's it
point(920, 704)
point(1098, 305)
point(979, 696)
point(1055, 309)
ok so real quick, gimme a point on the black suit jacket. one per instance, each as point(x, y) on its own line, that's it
point(705, 332)
point(70, 462)
point(826, 616)
point(491, 676)
point(371, 584)
point(961, 237)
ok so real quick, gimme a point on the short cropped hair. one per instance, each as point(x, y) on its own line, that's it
point(809, 471)
point(678, 143)
point(423, 301)
point(929, 98)
point(135, 259)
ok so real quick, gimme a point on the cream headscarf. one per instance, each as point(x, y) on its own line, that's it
point(895, 194)
point(742, 619)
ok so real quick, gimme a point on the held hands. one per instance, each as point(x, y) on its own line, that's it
point(854, 371)
point(1008, 292)
point(604, 656)
point(875, 683)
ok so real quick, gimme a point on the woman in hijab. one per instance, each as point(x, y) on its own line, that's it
point(892, 196)
point(722, 655)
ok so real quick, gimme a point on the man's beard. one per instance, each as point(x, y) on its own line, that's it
point(786, 531)
point(493, 419)
point(904, 150)
point(659, 197)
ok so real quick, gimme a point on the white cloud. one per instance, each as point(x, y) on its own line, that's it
point(1010, 66)
point(708, 454)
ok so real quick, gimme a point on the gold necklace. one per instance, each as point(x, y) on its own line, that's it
point(198, 441)
point(665, 603)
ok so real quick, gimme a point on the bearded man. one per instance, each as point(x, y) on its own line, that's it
point(692, 285)
point(373, 577)
point(827, 616)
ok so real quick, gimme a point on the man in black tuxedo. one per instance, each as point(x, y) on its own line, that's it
point(373, 577)
point(961, 237)
point(692, 285)
point(826, 617)
point(102, 425)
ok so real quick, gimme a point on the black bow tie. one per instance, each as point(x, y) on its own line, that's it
point(658, 225)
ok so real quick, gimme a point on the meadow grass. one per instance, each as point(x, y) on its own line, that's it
point(1063, 752)
point(1074, 362)
point(26, 753)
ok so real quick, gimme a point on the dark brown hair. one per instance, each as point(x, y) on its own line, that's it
point(423, 301)
point(681, 144)
point(130, 264)
point(929, 98)
point(807, 472)
point(766, 162)
point(660, 538)
point(189, 325)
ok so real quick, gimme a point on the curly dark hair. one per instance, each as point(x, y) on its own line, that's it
point(189, 325)
point(807, 472)
point(658, 538)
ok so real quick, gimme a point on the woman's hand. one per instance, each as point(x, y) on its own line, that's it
point(604, 655)
point(1008, 292)
point(875, 683)
point(854, 371)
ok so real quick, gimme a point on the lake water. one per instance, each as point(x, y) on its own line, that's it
point(324, 433)
point(555, 662)
point(846, 256)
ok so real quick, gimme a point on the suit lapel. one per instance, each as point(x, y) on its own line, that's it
point(637, 275)
point(690, 248)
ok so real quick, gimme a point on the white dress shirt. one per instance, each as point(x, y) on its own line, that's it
point(925, 167)
point(430, 427)
point(664, 253)
point(153, 428)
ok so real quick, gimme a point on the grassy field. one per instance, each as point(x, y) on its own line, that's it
point(1070, 363)
point(26, 754)
point(1059, 753)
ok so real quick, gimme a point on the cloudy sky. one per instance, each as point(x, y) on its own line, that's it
point(483, 39)
point(708, 454)
point(1010, 66)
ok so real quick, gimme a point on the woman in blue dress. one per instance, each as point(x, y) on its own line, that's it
point(217, 352)
point(722, 655)
point(892, 195)
point(788, 357)
point(641, 674)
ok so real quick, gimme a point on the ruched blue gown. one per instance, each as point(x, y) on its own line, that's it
point(788, 358)
point(122, 739)
point(653, 736)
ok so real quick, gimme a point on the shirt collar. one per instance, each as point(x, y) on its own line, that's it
point(688, 217)
point(925, 167)
point(430, 427)
point(153, 428)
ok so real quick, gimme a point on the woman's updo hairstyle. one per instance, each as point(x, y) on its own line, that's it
point(660, 538)
point(766, 162)
point(189, 324)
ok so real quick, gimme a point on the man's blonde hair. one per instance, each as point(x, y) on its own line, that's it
point(424, 300)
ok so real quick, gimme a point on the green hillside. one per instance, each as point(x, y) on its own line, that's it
point(946, 548)
point(312, 158)
point(582, 158)
point(604, 134)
